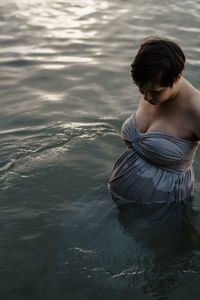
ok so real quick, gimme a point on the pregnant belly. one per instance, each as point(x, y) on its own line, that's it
point(136, 180)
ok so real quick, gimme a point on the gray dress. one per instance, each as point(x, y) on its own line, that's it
point(156, 168)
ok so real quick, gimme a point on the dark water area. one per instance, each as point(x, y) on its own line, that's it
point(65, 90)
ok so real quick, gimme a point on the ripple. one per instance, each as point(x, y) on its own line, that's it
point(193, 62)
point(65, 91)
point(36, 146)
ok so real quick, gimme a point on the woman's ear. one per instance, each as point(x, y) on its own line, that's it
point(179, 76)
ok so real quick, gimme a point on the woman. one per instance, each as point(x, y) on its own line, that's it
point(163, 134)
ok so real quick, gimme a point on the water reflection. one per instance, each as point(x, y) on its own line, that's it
point(168, 238)
point(61, 19)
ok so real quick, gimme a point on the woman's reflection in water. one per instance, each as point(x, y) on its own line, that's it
point(168, 239)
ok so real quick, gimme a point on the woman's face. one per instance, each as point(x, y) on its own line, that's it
point(155, 94)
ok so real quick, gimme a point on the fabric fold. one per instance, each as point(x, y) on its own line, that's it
point(156, 168)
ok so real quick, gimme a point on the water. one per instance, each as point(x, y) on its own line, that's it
point(65, 91)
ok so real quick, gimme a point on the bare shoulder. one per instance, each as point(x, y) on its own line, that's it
point(194, 113)
point(194, 104)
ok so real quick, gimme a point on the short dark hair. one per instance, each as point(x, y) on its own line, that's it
point(159, 61)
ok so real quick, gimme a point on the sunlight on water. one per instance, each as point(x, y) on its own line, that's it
point(51, 97)
point(65, 23)
point(70, 21)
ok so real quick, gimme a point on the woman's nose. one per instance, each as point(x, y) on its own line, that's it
point(147, 96)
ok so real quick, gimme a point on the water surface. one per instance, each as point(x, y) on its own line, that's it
point(65, 91)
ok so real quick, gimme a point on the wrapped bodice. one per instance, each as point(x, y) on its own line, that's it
point(160, 149)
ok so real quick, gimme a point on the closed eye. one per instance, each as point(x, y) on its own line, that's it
point(156, 92)
point(142, 91)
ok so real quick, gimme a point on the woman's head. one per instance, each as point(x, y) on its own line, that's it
point(159, 61)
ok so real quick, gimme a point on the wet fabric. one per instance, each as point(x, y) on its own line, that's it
point(156, 168)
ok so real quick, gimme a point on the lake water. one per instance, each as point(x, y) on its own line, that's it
point(65, 91)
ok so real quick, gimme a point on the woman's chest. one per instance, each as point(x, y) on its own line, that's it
point(172, 120)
